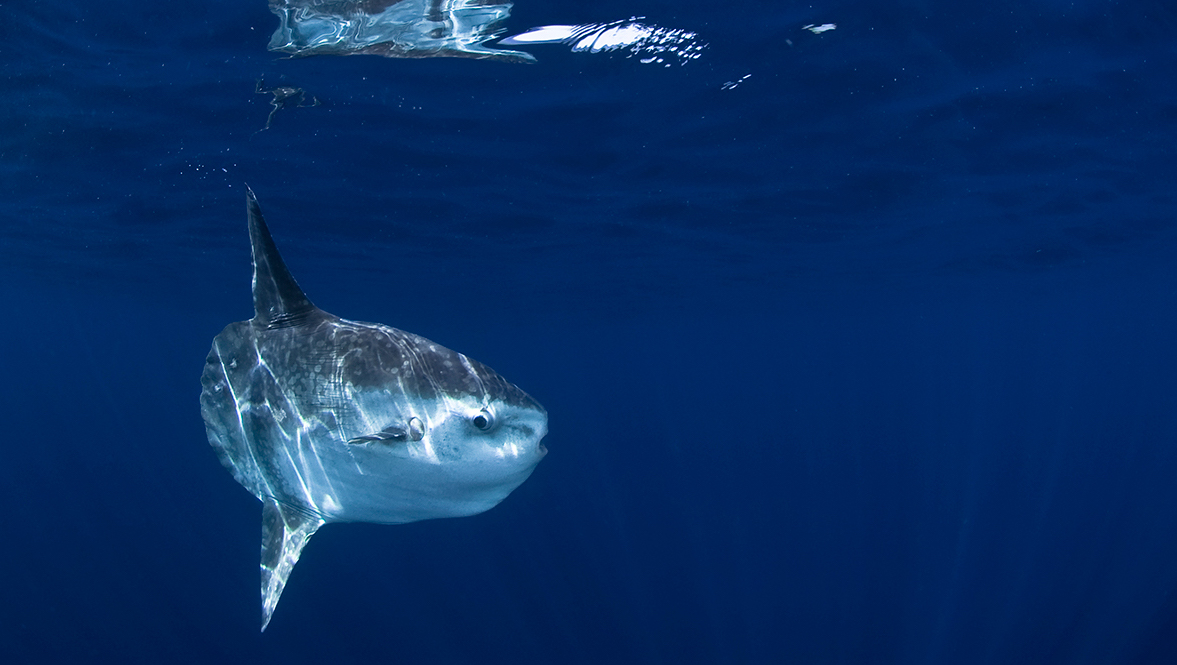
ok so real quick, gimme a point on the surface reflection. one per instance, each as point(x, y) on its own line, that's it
point(392, 28)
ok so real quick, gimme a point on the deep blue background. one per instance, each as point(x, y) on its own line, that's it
point(869, 359)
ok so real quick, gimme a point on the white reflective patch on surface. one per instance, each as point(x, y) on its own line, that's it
point(614, 38)
point(649, 43)
point(730, 85)
point(547, 34)
point(818, 29)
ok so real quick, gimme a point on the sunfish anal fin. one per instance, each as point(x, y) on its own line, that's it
point(284, 533)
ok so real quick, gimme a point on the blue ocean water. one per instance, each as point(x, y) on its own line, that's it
point(857, 344)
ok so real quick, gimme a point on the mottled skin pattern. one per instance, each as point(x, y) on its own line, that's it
point(330, 420)
point(278, 401)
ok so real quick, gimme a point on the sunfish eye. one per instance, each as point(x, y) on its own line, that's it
point(484, 420)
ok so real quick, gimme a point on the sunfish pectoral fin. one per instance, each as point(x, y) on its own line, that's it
point(390, 434)
point(413, 430)
point(284, 533)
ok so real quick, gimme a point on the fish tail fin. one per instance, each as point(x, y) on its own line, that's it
point(284, 533)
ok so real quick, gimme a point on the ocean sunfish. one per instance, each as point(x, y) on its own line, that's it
point(330, 420)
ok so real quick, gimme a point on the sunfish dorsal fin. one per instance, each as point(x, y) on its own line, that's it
point(284, 533)
point(277, 299)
